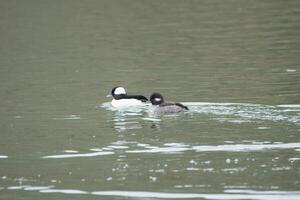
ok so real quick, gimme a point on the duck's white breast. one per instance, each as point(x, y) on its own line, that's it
point(121, 103)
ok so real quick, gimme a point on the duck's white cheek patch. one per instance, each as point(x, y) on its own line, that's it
point(157, 99)
point(120, 90)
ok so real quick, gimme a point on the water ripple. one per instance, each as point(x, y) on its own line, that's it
point(246, 147)
point(76, 155)
point(160, 150)
point(171, 148)
point(3, 156)
point(244, 112)
point(229, 194)
point(235, 113)
point(220, 148)
point(63, 191)
point(68, 117)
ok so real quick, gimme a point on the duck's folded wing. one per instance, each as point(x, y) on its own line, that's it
point(139, 97)
point(174, 104)
point(182, 106)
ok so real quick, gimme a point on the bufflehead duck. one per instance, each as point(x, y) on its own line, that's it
point(121, 99)
point(159, 106)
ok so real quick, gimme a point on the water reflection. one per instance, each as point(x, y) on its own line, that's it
point(235, 113)
point(220, 112)
point(123, 121)
point(3, 156)
point(130, 118)
point(68, 117)
point(75, 155)
point(243, 112)
point(228, 193)
point(207, 164)
point(180, 148)
point(133, 147)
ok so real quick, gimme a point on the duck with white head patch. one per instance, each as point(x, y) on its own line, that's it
point(159, 106)
point(122, 100)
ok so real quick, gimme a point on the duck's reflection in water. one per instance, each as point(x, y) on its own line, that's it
point(137, 119)
point(123, 121)
point(154, 121)
point(235, 113)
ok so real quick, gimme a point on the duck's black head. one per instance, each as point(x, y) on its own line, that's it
point(156, 99)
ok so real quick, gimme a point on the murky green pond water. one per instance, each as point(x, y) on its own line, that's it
point(235, 64)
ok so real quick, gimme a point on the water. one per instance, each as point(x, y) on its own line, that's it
point(235, 64)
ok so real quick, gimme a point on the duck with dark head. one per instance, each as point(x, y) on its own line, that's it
point(159, 105)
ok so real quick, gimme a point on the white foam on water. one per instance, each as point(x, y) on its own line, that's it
point(96, 149)
point(290, 70)
point(70, 151)
point(281, 168)
point(179, 148)
point(159, 150)
point(229, 194)
point(245, 112)
point(33, 188)
point(245, 191)
point(234, 196)
point(68, 117)
point(93, 154)
point(142, 194)
point(64, 191)
point(118, 147)
point(217, 104)
point(245, 147)
point(172, 148)
point(236, 113)
point(3, 156)
point(176, 144)
point(294, 159)
point(127, 127)
point(233, 170)
point(289, 106)
point(136, 113)
point(151, 119)
point(192, 169)
point(19, 187)
point(123, 142)
point(143, 145)
point(263, 128)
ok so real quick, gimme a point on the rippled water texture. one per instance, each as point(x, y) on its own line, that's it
point(235, 64)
